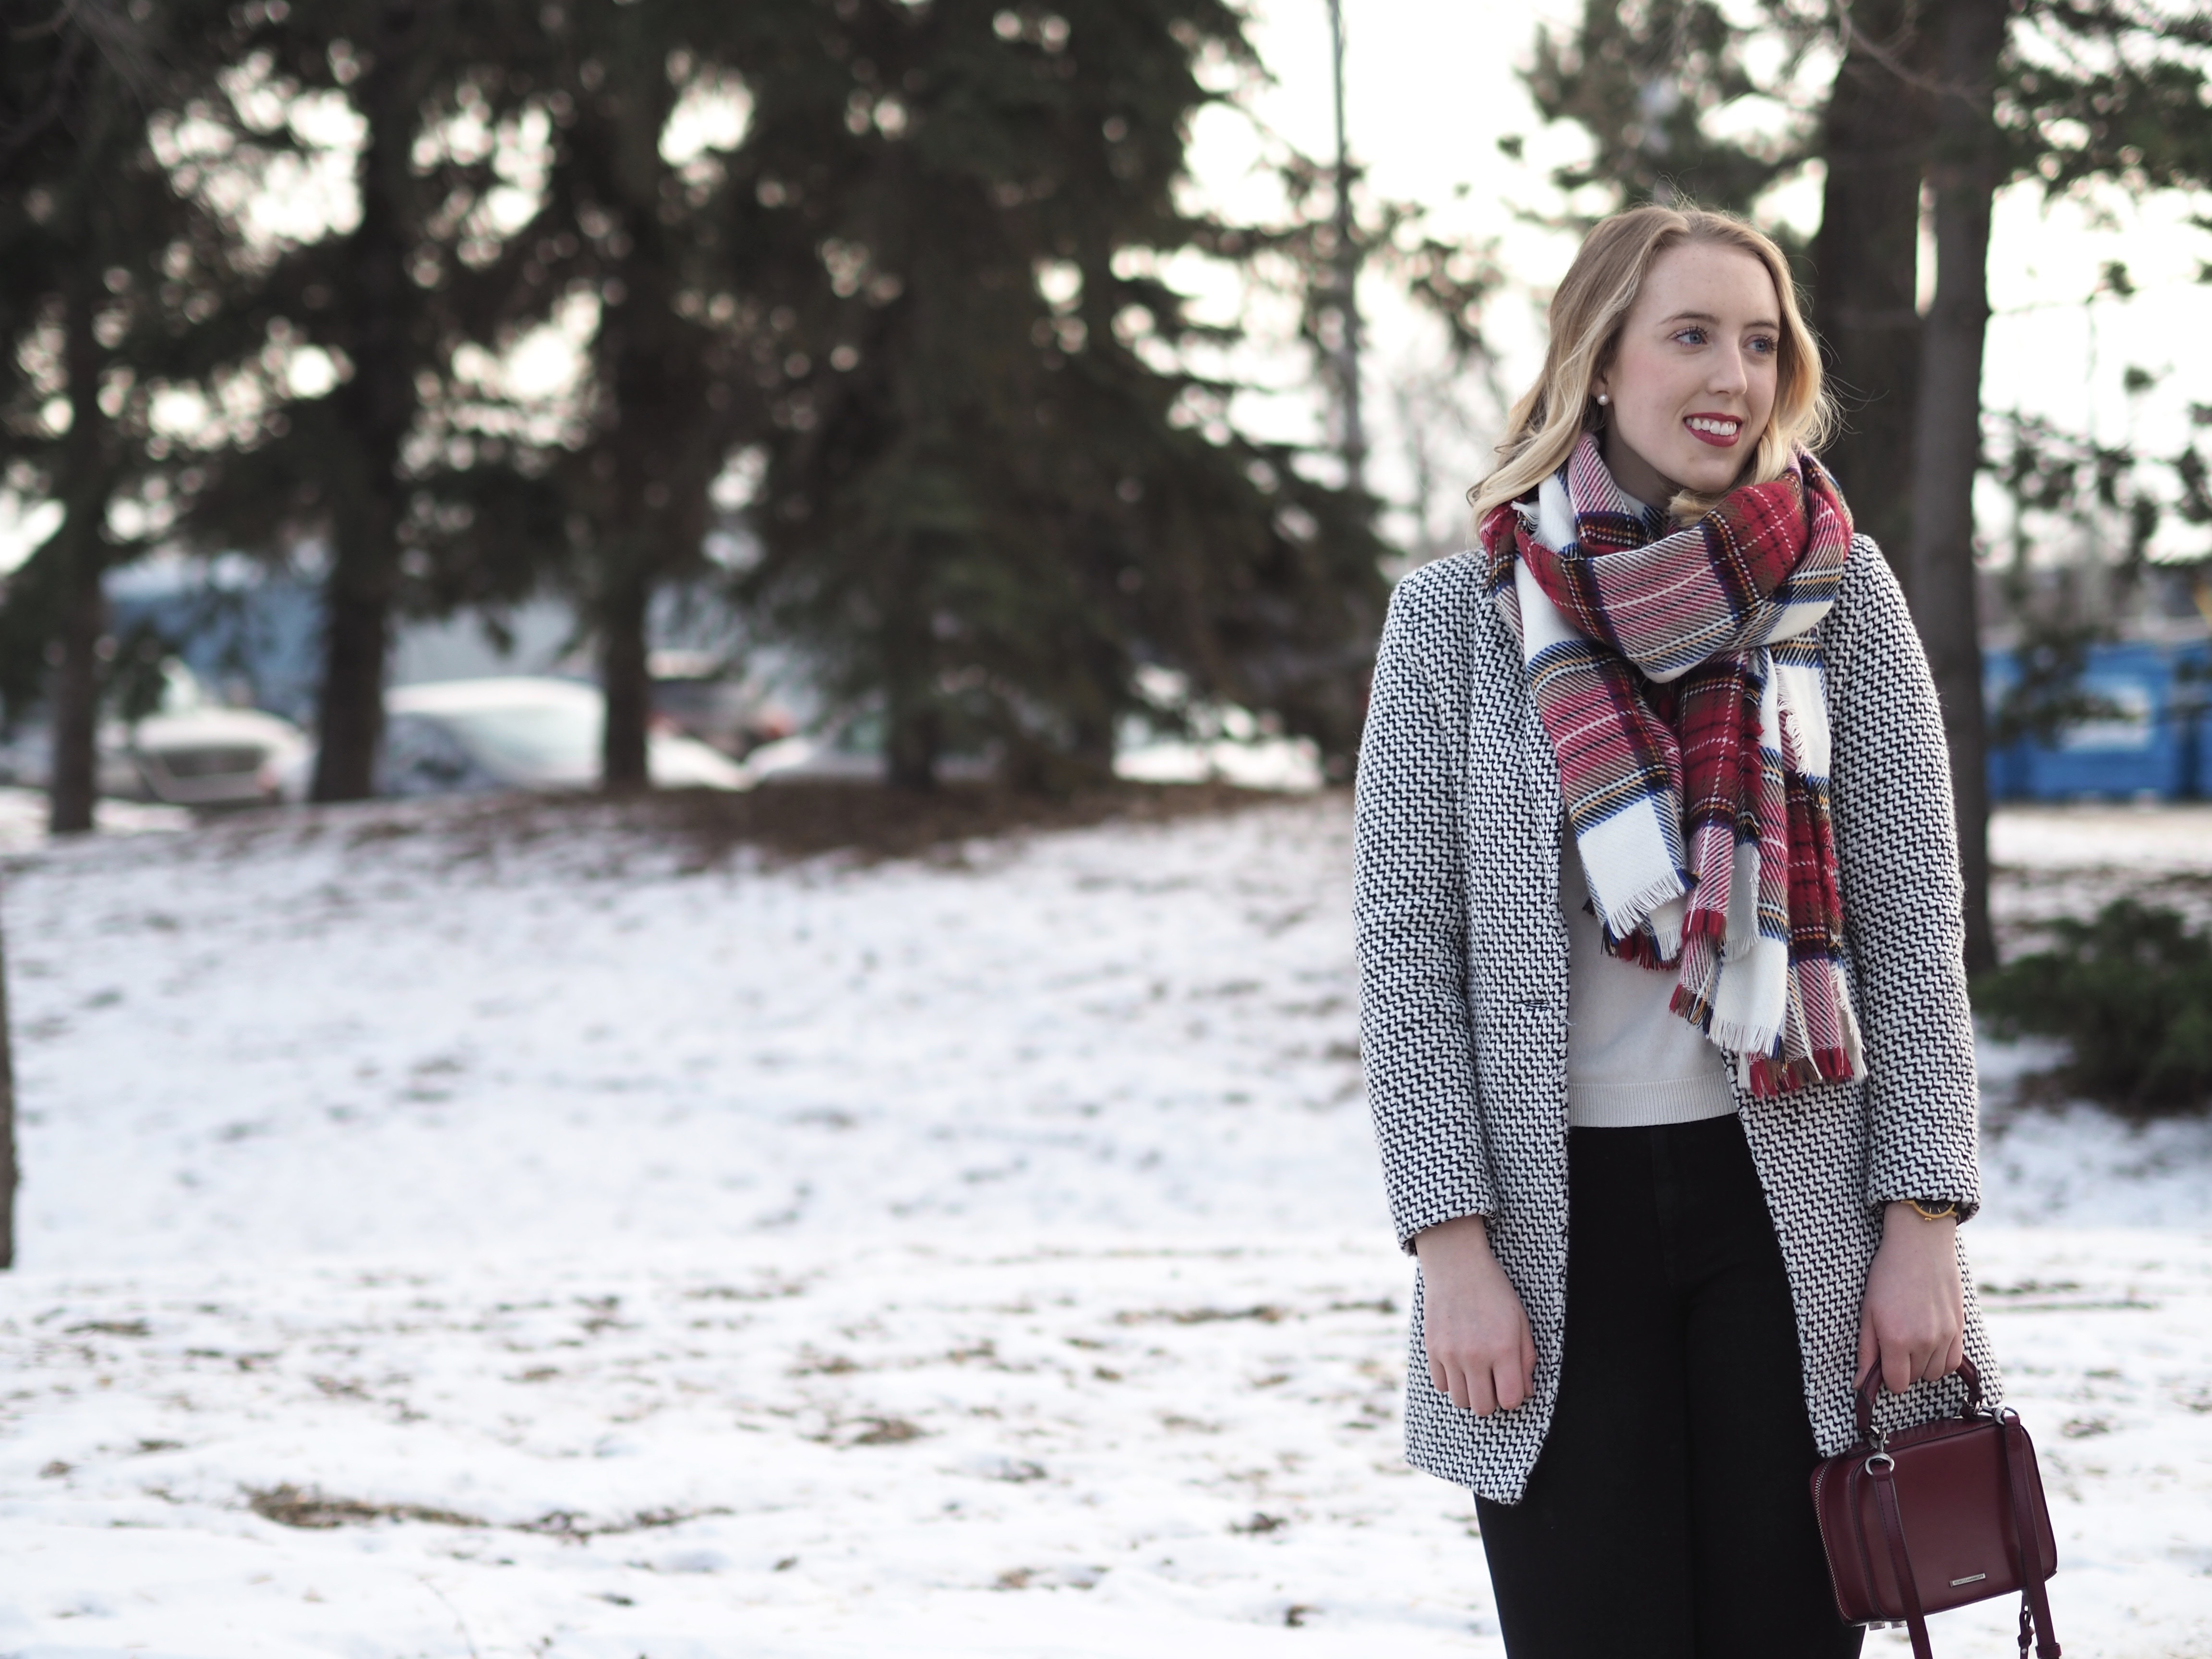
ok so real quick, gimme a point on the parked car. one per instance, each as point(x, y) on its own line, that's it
point(849, 750)
point(513, 732)
point(697, 693)
point(211, 756)
point(191, 752)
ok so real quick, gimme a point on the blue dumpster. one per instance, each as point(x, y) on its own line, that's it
point(2153, 742)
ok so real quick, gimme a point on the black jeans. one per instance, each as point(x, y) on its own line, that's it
point(1669, 1516)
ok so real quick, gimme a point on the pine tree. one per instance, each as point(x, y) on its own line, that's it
point(97, 310)
point(1644, 80)
point(1880, 121)
point(994, 492)
point(2077, 97)
point(375, 466)
point(667, 397)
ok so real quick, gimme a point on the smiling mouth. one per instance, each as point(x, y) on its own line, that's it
point(1719, 430)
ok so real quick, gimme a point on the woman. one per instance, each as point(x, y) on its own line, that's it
point(1659, 924)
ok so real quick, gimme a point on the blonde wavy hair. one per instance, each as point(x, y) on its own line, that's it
point(1587, 314)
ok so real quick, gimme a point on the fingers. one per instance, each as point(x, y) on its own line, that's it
point(1899, 1372)
point(1453, 1381)
point(1904, 1363)
point(1513, 1376)
point(1944, 1358)
point(1482, 1391)
point(1509, 1388)
point(1481, 1385)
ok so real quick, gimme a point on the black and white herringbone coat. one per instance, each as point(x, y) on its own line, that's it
point(1463, 992)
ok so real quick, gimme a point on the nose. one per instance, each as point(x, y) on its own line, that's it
point(1731, 375)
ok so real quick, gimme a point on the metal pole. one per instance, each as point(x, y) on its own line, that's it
point(1354, 432)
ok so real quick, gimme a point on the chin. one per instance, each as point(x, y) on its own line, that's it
point(1708, 475)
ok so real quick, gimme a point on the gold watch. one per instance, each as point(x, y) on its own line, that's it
point(1934, 1209)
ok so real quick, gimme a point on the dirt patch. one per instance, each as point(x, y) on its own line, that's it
point(289, 1506)
point(804, 820)
point(886, 1431)
point(785, 822)
point(1266, 1313)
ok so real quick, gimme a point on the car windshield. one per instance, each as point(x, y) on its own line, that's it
point(533, 738)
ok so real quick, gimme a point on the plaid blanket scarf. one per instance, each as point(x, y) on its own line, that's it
point(1671, 671)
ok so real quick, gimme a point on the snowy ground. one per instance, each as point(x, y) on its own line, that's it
point(23, 818)
point(435, 1244)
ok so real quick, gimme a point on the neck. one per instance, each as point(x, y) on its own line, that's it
point(1633, 473)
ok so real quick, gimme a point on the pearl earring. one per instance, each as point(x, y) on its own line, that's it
point(1602, 400)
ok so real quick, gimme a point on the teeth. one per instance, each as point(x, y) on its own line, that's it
point(1722, 428)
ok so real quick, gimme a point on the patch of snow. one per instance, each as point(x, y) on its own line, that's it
point(2080, 1166)
point(316, 1035)
point(440, 1244)
point(23, 818)
point(1287, 763)
point(2149, 839)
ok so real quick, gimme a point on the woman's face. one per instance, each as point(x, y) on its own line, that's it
point(1693, 377)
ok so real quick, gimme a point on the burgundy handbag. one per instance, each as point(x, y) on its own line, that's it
point(1937, 1516)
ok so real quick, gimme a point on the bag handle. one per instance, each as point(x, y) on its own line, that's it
point(1872, 1386)
point(2019, 1478)
point(1880, 1468)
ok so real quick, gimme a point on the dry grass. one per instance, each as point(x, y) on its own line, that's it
point(806, 819)
point(288, 1506)
point(782, 823)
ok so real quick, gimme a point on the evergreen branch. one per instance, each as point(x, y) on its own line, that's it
point(1855, 39)
point(60, 93)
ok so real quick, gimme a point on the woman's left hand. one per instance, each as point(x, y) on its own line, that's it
point(1913, 1322)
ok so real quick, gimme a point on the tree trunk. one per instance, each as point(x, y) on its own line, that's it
point(1866, 260)
point(1965, 172)
point(74, 785)
point(378, 407)
point(914, 729)
point(910, 743)
point(648, 362)
point(8, 1166)
point(357, 639)
point(626, 677)
point(74, 781)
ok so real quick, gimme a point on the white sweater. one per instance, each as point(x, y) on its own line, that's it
point(1630, 1059)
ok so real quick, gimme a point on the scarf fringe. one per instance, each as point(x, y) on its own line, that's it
point(1740, 1039)
point(1768, 1076)
point(1636, 912)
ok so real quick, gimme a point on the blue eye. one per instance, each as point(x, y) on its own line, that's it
point(1693, 336)
point(1766, 344)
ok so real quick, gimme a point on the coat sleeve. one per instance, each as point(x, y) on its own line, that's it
point(1897, 852)
point(1410, 920)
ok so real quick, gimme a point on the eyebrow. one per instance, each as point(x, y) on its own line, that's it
point(1708, 317)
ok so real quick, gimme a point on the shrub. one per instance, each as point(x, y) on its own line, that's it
point(2130, 992)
